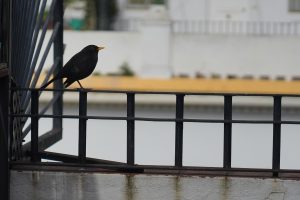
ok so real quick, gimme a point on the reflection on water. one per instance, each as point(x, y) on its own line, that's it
point(203, 142)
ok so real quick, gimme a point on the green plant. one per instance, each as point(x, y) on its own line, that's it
point(97, 74)
point(100, 14)
point(158, 1)
point(125, 70)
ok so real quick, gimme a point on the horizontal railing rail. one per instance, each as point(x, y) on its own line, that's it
point(157, 119)
point(36, 154)
point(159, 92)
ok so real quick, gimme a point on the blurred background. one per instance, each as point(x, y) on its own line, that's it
point(237, 46)
point(194, 38)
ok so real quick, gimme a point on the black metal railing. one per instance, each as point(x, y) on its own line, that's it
point(23, 27)
point(36, 153)
point(29, 23)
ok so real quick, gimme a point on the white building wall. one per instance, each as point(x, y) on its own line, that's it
point(270, 10)
point(164, 55)
point(240, 10)
point(237, 55)
point(230, 10)
point(188, 9)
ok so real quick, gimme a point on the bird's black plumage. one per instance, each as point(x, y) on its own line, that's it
point(80, 66)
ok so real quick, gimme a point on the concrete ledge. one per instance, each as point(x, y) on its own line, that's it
point(33, 185)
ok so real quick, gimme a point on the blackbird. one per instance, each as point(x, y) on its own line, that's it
point(80, 66)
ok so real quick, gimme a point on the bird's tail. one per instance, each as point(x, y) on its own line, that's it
point(67, 83)
point(49, 82)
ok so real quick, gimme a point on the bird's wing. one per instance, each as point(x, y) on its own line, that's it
point(71, 63)
point(77, 67)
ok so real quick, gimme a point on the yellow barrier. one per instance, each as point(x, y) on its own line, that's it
point(190, 85)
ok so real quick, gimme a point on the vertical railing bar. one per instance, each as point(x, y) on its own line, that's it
point(19, 25)
point(51, 70)
point(17, 7)
point(54, 65)
point(30, 35)
point(41, 65)
point(227, 132)
point(179, 130)
point(13, 33)
point(32, 21)
point(58, 51)
point(130, 128)
point(46, 52)
point(5, 129)
point(27, 16)
point(43, 111)
point(37, 51)
point(22, 33)
point(82, 126)
point(276, 135)
point(34, 125)
point(34, 40)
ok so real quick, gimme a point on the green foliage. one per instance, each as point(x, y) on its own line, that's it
point(137, 1)
point(67, 2)
point(158, 1)
point(97, 74)
point(125, 70)
point(145, 1)
point(90, 16)
point(98, 17)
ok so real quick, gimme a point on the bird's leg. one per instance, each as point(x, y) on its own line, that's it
point(80, 85)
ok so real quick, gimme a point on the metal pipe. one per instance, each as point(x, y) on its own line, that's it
point(29, 36)
point(227, 131)
point(34, 40)
point(44, 82)
point(179, 130)
point(41, 65)
point(43, 111)
point(58, 48)
point(34, 126)
point(130, 128)
point(82, 126)
point(38, 50)
point(276, 135)
point(25, 36)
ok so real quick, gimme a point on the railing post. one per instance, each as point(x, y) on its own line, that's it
point(227, 131)
point(4, 138)
point(35, 125)
point(130, 128)
point(5, 57)
point(58, 48)
point(82, 126)
point(276, 135)
point(179, 130)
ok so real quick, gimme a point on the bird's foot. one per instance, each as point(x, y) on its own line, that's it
point(84, 89)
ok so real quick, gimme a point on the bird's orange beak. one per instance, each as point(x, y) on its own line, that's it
point(99, 48)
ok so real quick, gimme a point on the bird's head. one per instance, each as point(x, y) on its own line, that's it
point(92, 48)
